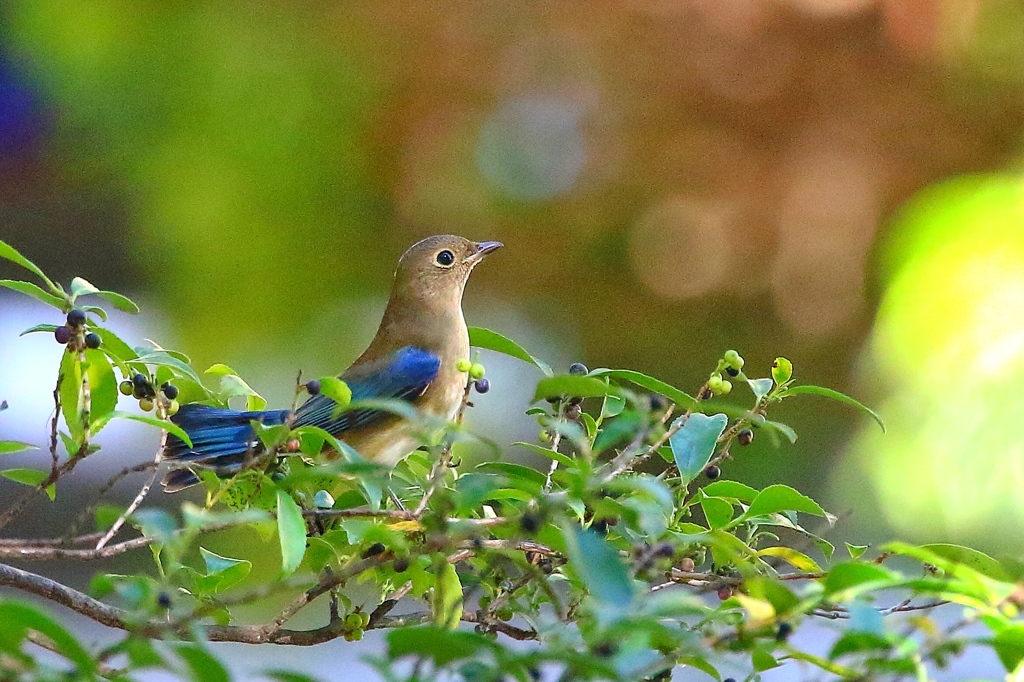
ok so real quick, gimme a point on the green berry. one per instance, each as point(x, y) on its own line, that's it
point(545, 436)
point(146, 404)
point(463, 365)
point(782, 371)
point(364, 618)
point(172, 408)
point(579, 369)
point(715, 383)
point(476, 370)
point(126, 387)
point(733, 359)
point(726, 387)
point(353, 621)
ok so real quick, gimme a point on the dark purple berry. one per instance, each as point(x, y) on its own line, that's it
point(745, 436)
point(657, 402)
point(705, 393)
point(76, 318)
point(170, 391)
point(93, 340)
point(664, 550)
point(724, 592)
point(62, 334)
point(573, 412)
point(732, 371)
point(482, 385)
point(313, 387)
point(578, 368)
point(712, 472)
point(163, 600)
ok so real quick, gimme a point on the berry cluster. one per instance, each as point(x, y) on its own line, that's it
point(73, 335)
point(476, 372)
point(732, 364)
point(140, 387)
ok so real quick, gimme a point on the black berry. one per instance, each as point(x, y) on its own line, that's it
point(745, 436)
point(578, 368)
point(573, 412)
point(140, 380)
point(604, 649)
point(705, 393)
point(729, 679)
point(163, 600)
point(374, 549)
point(482, 385)
point(93, 340)
point(712, 472)
point(657, 402)
point(785, 630)
point(530, 522)
point(62, 334)
point(313, 387)
point(401, 564)
point(76, 318)
point(170, 391)
point(664, 550)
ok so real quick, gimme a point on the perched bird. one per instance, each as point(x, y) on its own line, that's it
point(413, 357)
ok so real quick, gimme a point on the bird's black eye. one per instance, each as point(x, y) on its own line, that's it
point(445, 258)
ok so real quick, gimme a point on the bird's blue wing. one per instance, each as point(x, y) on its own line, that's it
point(403, 375)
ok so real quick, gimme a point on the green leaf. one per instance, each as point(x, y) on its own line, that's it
point(32, 477)
point(563, 459)
point(784, 429)
point(779, 498)
point(680, 398)
point(489, 340)
point(612, 407)
point(849, 574)
point(739, 491)
point(834, 395)
point(119, 301)
point(569, 385)
point(291, 529)
point(9, 446)
point(202, 665)
point(972, 558)
point(1009, 646)
point(717, 511)
point(337, 390)
point(856, 551)
point(694, 443)
point(792, 557)
point(446, 603)
point(599, 567)
point(163, 424)
point(34, 291)
point(22, 617)
point(760, 387)
point(81, 287)
point(160, 357)
point(10, 253)
point(50, 328)
point(442, 646)
point(762, 659)
point(223, 573)
point(698, 663)
point(102, 384)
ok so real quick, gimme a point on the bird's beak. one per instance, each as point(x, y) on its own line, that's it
point(482, 249)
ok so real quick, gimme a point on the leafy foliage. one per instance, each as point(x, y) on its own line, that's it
point(628, 557)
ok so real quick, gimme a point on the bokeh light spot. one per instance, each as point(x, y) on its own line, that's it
point(532, 148)
point(948, 347)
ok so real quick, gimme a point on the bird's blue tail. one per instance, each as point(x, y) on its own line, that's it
point(221, 441)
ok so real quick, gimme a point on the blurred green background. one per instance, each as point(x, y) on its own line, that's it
point(836, 181)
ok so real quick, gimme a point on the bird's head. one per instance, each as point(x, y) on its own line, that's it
point(438, 267)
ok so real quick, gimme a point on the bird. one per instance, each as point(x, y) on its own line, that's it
point(413, 357)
